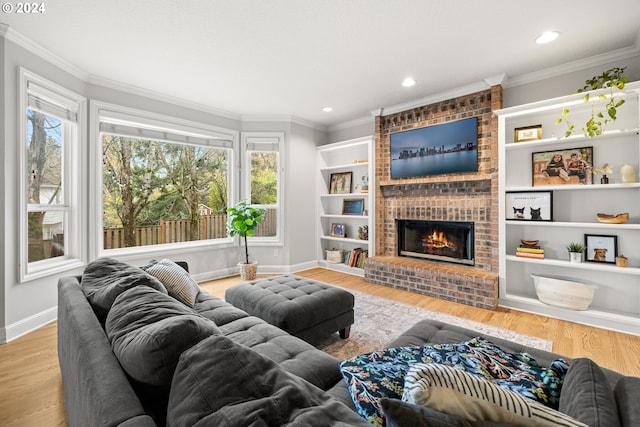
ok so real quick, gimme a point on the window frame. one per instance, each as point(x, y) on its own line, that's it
point(54, 99)
point(267, 139)
point(102, 112)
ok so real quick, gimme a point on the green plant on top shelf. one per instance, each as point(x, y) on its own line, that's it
point(576, 247)
point(611, 79)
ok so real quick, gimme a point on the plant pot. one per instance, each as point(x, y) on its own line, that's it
point(576, 256)
point(248, 271)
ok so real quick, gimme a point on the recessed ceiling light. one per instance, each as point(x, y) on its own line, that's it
point(408, 82)
point(327, 109)
point(547, 37)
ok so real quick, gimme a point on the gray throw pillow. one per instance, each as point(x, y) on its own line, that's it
point(587, 396)
point(627, 393)
point(149, 330)
point(220, 383)
point(106, 278)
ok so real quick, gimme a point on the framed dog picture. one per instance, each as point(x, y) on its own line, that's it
point(601, 248)
point(529, 205)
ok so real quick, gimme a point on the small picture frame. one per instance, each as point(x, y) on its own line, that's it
point(529, 205)
point(352, 206)
point(601, 248)
point(340, 183)
point(560, 167)
point(338, 230)
point(527, 133)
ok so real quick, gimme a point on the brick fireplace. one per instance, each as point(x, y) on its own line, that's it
point(467, 197)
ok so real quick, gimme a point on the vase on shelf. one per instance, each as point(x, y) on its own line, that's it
point(576, 256)
point(627, 174)
point(604, 179)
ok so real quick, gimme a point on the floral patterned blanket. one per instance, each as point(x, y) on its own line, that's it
point(372, 376)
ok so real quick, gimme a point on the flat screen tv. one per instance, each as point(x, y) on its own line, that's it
point(435, 150)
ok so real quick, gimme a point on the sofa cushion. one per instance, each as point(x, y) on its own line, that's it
point(149, 330)
point(587, 396)
point(459, 393)
point(627, 394)
point(176, 279)
point(218, 382)
point(292, 354)
point(404, 414)
point(106, 278)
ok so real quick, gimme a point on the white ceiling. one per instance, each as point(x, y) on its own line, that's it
point(293, 57)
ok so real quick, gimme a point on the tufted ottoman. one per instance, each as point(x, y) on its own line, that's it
point(303, 307)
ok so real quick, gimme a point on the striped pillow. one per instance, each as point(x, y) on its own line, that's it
point(176, 279)
point(460, 393)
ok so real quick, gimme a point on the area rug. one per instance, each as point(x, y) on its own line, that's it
point(380, 320)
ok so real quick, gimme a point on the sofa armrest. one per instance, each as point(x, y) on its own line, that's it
point(96, 390)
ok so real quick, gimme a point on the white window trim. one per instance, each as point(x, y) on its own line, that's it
point(275, 138)
point(73, 170)
point(125, 116)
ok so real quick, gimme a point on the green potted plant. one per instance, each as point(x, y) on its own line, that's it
point(611, 79)
point(242, 220)
point(576, 251)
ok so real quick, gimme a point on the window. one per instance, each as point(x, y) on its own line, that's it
point(51, 117)
point(263, 183)
point(163, 182)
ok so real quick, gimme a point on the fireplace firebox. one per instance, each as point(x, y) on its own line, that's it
point(449, 241)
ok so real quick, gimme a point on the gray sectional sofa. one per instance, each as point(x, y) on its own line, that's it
point(133, 353)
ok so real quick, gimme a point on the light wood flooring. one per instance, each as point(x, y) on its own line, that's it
point(31, 386)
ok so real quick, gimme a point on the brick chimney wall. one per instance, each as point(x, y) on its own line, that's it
point(451, 197)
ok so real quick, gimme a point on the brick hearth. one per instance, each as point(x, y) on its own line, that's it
point(451, 282)
point(451, 197)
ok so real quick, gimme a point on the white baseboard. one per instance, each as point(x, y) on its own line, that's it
point(262, 269)
point(24, 326)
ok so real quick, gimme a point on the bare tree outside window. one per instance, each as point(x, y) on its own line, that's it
point(45, 225)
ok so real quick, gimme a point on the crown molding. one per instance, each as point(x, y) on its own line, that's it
point(507, 81)
point(580, 64)
point(174, 100)
point(282, 118)
point(13, 36)
point(355, 122)
point(438, 97)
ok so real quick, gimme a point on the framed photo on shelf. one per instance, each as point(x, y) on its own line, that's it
point(352, 206)
point(340, 183)
point(528, 133)
point(338, 230)
point(601, 248)
point(529, 205)
point(558, 167)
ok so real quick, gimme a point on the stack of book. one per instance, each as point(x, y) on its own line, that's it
point(530, 252)
point(356, 257)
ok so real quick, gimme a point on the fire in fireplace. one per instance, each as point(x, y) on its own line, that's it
point(450, 241)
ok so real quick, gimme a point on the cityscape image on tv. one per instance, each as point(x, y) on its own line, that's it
point(435, 150)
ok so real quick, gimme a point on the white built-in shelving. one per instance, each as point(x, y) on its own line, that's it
point(354, 157)
point(616, 303)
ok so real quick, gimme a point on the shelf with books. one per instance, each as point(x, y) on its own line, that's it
point(345, 197)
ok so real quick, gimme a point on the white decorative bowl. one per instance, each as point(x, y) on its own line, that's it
point(564, 292)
